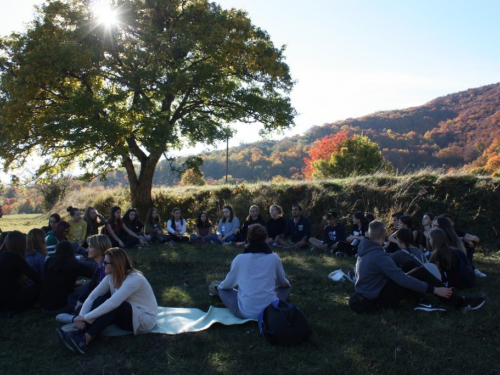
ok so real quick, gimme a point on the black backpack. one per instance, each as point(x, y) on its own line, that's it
point(282, 323)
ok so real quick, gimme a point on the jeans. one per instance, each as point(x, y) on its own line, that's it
point(121, 317)
point(214, 237)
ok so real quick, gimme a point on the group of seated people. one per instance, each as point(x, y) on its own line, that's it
point(43, 266)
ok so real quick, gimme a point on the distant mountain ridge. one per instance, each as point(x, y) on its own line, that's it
point(451, 131)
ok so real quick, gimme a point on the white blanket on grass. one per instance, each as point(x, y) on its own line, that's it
point(175, 320)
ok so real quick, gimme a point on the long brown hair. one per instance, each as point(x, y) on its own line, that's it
point(35, 242)
point(120, 262)
point(15, 242)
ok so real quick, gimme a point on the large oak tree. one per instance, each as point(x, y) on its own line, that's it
point(166, 74)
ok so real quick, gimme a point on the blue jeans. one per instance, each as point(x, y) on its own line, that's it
point(214, 237)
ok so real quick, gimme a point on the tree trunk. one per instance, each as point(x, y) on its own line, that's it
point(140, 187)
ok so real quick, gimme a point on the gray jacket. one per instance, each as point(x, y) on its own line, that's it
point(374, 267)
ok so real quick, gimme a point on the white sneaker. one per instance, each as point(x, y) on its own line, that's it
point(479, 273)
point(65, 318)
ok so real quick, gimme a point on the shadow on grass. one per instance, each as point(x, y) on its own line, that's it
point(389, 342)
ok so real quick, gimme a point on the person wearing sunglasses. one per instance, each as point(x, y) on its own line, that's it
point(123, 298)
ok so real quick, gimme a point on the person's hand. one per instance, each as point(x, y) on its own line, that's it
point(80, 323)
point(220, 238)
point(443, 292)
point(301, 243)
point(223, 238)
point(120, 244)
point(237, 231)
point(160, 232)
point(350, 238)
point(78, 303)
point(80, 243)
point(324, 246)
point(141, 241)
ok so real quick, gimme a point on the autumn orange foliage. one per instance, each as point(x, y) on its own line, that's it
point(323, 149)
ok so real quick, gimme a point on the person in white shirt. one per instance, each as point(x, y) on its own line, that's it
point(259, 275)
point(124, 298)
point(176, 227)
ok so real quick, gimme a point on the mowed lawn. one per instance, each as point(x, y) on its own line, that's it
point(389, 342)
point(23, 222)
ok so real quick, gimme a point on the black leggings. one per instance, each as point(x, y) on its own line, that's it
point(121, 317)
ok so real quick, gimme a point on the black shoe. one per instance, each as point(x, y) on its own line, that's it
point(61, 335)
point(426, 306)
point(473, 303)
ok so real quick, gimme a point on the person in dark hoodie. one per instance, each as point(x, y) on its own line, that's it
point(259, 275)
point(254, 217)
point(381, 284)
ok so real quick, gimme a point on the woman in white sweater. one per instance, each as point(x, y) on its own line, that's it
point(124, 298)
point(259, 275)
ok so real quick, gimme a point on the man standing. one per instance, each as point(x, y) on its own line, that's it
point(381, 284)
point(297, 230)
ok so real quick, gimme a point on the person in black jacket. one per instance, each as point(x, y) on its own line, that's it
point(15, 296)
point(61, 272)
point(276, 224)
point(254, 217)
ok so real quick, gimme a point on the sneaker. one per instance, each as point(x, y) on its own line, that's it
point(351, 276)
point(473, 303)
point(65, 318)
point(76, 342)
point(340, 254)
point(426, 306)
point(61, 335)
point(479, 273)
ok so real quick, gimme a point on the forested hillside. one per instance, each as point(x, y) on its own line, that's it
point(461, 129)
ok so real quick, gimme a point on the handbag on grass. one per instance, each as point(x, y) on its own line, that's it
point(282, 323)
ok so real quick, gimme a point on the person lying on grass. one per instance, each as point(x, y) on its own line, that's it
point(381, 284)
point(259, 275)
point(124, 298)
point(297, 230)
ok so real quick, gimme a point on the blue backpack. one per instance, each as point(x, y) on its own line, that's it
point(282, 323)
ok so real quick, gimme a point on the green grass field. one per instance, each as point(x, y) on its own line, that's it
point(23, 222)
point(389, 342)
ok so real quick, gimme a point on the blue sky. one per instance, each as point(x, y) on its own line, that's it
point(355, 57)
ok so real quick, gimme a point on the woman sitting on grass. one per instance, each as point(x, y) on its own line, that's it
point(443, 223)
point(118, 232)
point(94, 221)
point(61, 272)
point(176, 227)
point(456, 270)
point(226, 228)
point(16, 296)
point(276, 224)
point(254, 217)
point(202, 228)
point(423, 234)
point(78, 230)
point(405, 221)
point(124, 298)
point(53, 220)
point(98, 244)
point(152, 226)
point(259, 275)
point(132, 222)
point(54, 237)
point(407, 257)
point(36, 251)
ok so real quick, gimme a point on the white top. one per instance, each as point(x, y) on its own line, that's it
point(257, 275)
point(173, 226)
point(135, 290)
